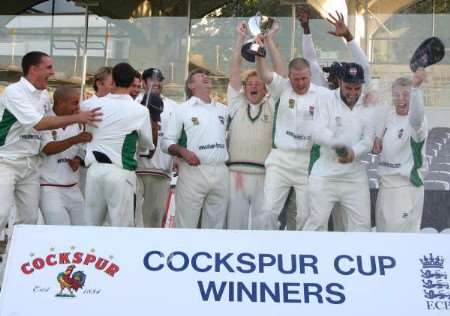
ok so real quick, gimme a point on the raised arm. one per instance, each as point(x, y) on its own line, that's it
point(309, 52)
point(275, 54)
point(261, 64)
point(416, 104)
point(358, 55)
point(236, 59)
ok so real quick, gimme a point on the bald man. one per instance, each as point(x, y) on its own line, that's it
point(61, 201)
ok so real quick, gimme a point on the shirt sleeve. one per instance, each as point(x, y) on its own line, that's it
point(417, 115)
point(145, 134)
point(235, 99)
point(46, 137)
point(309, 52)
point(173, 132)
point(365, 143)
point(360, 58)
point(21, 108)
point(277, 85)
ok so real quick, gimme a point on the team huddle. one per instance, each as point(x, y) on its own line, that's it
point(286, 148)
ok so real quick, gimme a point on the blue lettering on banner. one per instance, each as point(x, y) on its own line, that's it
point(278, 292)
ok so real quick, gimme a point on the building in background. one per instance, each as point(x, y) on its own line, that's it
point(176, 35)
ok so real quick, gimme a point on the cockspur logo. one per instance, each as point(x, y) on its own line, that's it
point(434, 283)
point(71, 269)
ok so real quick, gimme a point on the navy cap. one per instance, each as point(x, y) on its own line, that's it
point(152, 73)
point(352, 73)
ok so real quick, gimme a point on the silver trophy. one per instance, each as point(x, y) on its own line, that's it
point(258, 24)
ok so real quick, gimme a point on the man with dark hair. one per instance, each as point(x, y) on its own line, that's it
point(288, 161)
point(342, 132)
point(22, 109)
point(197, 135)
point(155, 172)
point(111, 156)
point(61, 201)
point(135, 88)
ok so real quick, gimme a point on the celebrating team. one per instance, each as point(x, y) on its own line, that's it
point(286, 150)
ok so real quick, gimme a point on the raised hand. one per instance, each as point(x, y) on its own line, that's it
point(419, 77)
point(242, 29)
point(303, 18)
point(340, 28)
point(273, 30)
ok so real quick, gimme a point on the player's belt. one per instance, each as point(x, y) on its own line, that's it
point(101, 157)
point(58, 185)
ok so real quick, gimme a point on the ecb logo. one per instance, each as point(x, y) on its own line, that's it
point(434, 283)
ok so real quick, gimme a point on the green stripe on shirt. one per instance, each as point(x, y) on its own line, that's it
point(129, 151)
point(6, 123)
point(416, 148)
point(277, 105)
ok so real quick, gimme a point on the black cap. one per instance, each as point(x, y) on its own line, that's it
point(352, 73)
point(429, 52)
point(334, 69)
point(152, 73)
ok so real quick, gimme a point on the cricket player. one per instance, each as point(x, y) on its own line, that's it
point(22, 108)
point(250, 136)
point(61, 202)
point(343, 130)
point(112, 153)
point(197, 135)
point(288, 161)
point(102, 85)
point(402, 159)
point(155, 171)
point(331, 80)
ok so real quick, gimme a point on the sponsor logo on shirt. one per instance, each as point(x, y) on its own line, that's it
point(298, 137)
point(63, 160)
point(54, 135)
point(211, 146)
point(311, 110)
point(400, 133)
point(30, 137)
point(221, 119)
point(390, 165)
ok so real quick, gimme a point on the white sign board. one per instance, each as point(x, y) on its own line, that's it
point(129, 271)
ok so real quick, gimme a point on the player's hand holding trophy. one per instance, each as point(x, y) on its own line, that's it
point(257, 25)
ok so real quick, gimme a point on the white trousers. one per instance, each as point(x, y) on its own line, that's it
point(153, 191)
point(61, 205)
point(353, 198)
point(111, 191)
point(399, 209)
point(202, 196)
point(246, 199)
point(284, 170)
point(19, 186)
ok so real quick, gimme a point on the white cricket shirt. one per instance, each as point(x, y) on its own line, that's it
point(201, 128)
point(22, 106)
point(125, 126)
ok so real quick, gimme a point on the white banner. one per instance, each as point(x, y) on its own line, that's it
point(117, 271)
